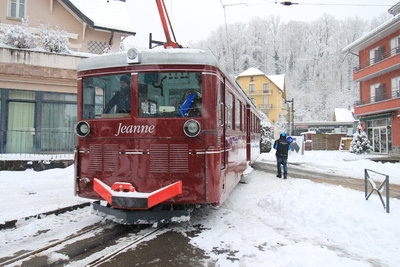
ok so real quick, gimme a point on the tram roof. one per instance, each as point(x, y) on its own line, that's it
point(183, 56)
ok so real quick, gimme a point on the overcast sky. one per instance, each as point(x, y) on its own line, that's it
point(194, 20)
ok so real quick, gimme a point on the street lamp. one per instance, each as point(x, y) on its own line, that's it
point(291, 121)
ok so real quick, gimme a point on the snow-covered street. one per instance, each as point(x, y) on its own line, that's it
point(268, 221)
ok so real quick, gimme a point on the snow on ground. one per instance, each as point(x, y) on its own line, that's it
point(295, 222)
point(268, 221)
point(26, 193)
point(339, 163)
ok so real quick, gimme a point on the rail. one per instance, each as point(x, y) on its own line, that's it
point(378, 190)
point(31, 141)
point(380, 57)
point(379, 97)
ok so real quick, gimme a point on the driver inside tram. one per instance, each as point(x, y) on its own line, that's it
point(122, 99)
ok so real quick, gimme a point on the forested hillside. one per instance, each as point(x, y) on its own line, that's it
point(318, 74)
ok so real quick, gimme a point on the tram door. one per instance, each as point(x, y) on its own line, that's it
point(222, 123)
point(21, 131)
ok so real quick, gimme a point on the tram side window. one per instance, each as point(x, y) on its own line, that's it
point(238, 114)
point(106, 96)
point(169, 94)
point(229, 106)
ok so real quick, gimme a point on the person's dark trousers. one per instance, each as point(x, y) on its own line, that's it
point(283, 161)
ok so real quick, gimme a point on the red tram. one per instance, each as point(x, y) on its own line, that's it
point(160, 131)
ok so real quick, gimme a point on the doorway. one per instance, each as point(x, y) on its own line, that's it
point(379, 134)
point(21, 127)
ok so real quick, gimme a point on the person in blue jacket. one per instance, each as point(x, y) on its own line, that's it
point(282, 147)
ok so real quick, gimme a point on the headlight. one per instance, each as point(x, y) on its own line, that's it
point(82, 128)
point(191, 128)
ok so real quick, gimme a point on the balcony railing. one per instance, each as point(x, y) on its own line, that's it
point(379, 58)
point(260, 92)
point(378, 98)
point(265, 106)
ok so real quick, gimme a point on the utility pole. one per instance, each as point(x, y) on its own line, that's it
point(226, 30)
point(291, 116)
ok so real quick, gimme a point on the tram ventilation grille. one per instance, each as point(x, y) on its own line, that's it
point(169, 158)
point(104, 157)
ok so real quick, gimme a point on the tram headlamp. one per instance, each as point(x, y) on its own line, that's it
point(132, 56)
point(82, 129)
point(191, 128)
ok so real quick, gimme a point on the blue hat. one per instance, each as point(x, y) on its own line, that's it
point(283, 134)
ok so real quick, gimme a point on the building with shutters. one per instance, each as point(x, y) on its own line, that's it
point(378, 76)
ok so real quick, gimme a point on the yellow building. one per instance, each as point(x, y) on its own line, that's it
point(266, 91)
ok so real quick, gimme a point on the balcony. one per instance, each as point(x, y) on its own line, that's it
point(265, 106)
point(378, 98)
point(379, 103)
point(260, 92)
point(382, 63)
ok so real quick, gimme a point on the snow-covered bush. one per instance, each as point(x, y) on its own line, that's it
point(53, 40)
point(19, 36)
point(360, 143)
point(266, 137)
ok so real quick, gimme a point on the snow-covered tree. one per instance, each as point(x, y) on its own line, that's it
point(266, 136)
point(19, 37)
point(360, 143)
point(53, 40)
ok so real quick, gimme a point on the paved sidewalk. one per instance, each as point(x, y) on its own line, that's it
point(320, 177)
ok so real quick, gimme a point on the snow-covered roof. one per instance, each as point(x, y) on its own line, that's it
point(278, 80)
point(394, 10)
point(109, 15)
point(251, 72)
point(344, 115)
point(182, 56)
point(375, 35)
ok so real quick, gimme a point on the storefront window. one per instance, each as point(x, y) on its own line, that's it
point(57, 126)
point(21, 95)
point(59, 97)
point(170, 94)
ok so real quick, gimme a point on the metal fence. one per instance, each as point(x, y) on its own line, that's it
point(374, 188)
point(37, 142)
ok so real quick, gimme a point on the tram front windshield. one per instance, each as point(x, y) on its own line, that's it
point(169, 94)
point(160, 94)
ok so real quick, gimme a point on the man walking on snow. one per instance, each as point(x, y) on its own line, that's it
point(282, 147)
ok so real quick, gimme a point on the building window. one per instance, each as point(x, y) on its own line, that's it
point(251, 79)
point(395, 46)
point(251, 88)
point(378, 92)
point(97, 47)
point(266, 88)
point(17, 9)
point(377, 54)
point(396, 87)
point(252, 99)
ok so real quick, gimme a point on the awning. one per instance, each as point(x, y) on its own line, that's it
point(376, 117)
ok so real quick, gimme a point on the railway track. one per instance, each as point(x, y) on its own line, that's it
point(138, 239)
point(49, 246)
point(92, 246)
